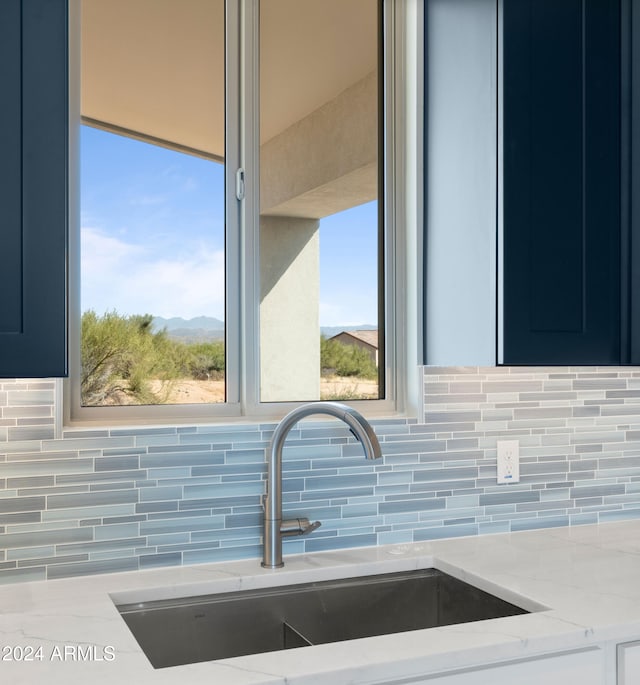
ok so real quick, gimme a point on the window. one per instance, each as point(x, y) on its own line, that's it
point(238, 240)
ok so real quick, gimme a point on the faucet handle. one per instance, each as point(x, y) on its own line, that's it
point(311, 527)
point(299, 526)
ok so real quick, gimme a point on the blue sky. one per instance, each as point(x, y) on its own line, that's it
point(153, 237)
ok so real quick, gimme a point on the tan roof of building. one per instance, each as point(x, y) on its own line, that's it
point(367, 336)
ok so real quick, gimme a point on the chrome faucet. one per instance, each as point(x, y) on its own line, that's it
point(274, 527)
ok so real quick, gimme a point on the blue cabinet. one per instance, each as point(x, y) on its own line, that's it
point(33, 188)
point(565, 233)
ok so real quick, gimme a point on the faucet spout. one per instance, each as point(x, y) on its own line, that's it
point(274, 527)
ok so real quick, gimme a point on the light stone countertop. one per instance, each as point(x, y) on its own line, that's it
point(587, 576)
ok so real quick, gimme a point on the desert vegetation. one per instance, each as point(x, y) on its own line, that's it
point(124, 361)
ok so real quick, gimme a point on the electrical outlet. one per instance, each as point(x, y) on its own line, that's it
point(508, 461)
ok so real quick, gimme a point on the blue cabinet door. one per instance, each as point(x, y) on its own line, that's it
point(562, 182)
point(33, 188)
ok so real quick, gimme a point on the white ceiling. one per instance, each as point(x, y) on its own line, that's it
point(157, 66)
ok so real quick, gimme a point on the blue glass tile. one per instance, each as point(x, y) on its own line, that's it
point(123, 519)
point(619, 515)
point(91, 568)
point(597, 490)
point(85, 444)
point(88, 512)
point(100, 546)
point(228, 469)
point(333, 494)
point(30, 552)
point(172, 473)
point(163, 449)
point(117, 554)
point(101, 487)
point(289, 485)
point(159, 560)
point(340, 542)
point(54, 467)
point(226, 490)
point(48, 561)
point(30, 397)
point(218, 502)
point(356, 522)
point(532, 524)
point(130, 462)
point(406, 505)
point(442, 532)
point(30, 482)
point(583, 519)
point(395, 537)
point(454, 416)
point(434, 486)
point(122, 451)
point(222, 439)
point(30, 433)
point(148, 507)
point(555, 494)
point(191, 546)
point(118, 531)
point(510, 497)
point(249, 535)
point(22, 575)
point(162, 430)
point(491, 527)
point(245, 456)
point(46, 537)
point(157, 440)
point(92, 499)
point(187, 458)
point(164, 526)
point(223, 554)
point(340, 482)
point(21, 517)
point(17, 504)
point(193, 513)
point(32, 411)
point(178, 539)
point(613, 463)
point(154, 494)
point(320, 512)
point(243, 520)
point(357, 510)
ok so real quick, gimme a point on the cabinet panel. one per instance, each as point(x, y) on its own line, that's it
point(585, 667)
point(33, 187)
point(561, 169)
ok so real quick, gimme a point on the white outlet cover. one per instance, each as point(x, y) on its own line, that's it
point(508, 461)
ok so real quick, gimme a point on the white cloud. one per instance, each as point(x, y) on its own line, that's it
point(137, 279)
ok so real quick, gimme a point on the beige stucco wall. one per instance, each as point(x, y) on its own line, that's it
point(326, 162)
point(289, 309)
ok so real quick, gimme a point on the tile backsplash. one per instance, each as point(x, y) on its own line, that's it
point(116, 499)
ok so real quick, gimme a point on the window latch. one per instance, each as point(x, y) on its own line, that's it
point(240, 184)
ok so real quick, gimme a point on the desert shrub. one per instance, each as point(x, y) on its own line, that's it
point(205, 361)
point(346, 360)
point(120, 356)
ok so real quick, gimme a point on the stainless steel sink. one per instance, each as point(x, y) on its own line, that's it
point(182, 631)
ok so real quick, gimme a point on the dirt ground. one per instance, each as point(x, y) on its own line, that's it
point(189, 391)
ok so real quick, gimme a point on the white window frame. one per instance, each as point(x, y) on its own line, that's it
point(403, 184)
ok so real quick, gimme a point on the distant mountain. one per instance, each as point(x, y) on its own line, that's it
point(207, 323)
point(203, 328)
point(330, 331)
point(198, 329)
